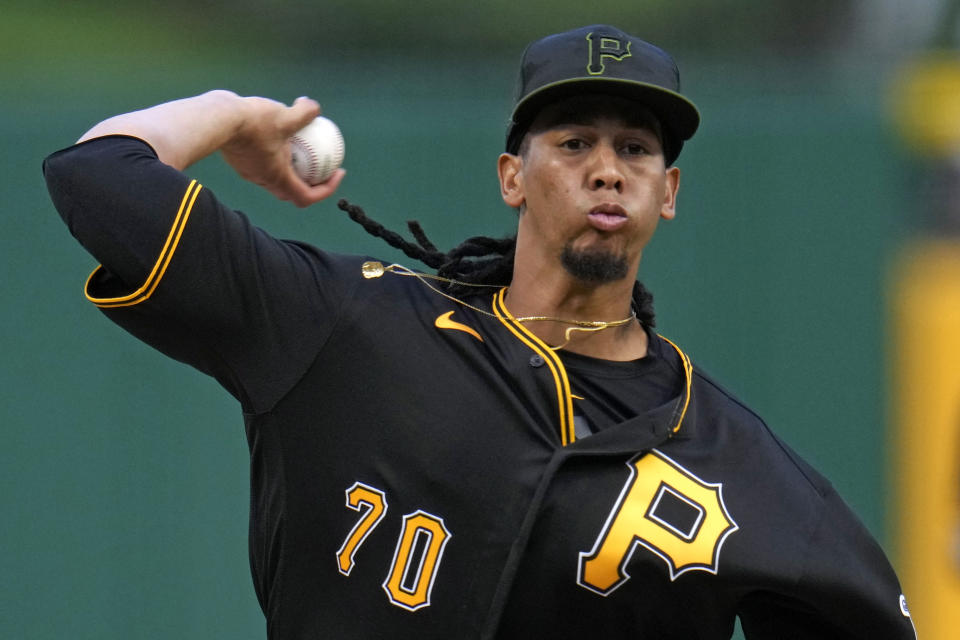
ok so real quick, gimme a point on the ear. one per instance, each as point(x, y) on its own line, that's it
point(669, 209)
point(510, 172)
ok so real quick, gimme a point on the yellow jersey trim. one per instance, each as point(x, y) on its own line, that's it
point(564, 395)
point(163, 261)
point(688, 374)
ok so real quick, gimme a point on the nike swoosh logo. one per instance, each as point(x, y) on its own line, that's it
point(443, 321)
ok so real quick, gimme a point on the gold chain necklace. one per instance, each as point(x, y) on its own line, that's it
point(372, 269)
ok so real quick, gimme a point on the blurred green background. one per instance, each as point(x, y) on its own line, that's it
point(124, 474)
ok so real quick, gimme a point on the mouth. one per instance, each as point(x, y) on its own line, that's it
point(607, 217)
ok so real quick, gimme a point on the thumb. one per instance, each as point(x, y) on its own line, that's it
point(300, 114)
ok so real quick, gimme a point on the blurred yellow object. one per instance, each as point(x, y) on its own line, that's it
point(925, 441)
point(925, 98)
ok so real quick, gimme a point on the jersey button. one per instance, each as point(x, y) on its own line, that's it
point(536, 361)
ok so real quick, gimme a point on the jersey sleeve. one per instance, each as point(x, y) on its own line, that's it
point(847, 591)
point(190, 276)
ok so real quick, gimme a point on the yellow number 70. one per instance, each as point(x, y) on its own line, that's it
point(416, 559)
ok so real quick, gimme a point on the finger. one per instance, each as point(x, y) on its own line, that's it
point(294, 189)
point(307, 100)
point(315, 193)
point(326, 189)
point(300, 114)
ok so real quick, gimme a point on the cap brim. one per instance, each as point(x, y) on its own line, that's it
point(676, 114)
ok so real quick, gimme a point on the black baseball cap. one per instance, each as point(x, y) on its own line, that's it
point(605, 60)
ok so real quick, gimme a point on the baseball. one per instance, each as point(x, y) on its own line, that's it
point(317, 150)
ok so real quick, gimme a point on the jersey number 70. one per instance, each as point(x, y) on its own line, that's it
point(418, 553)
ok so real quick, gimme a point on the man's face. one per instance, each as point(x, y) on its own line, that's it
point(592, 185)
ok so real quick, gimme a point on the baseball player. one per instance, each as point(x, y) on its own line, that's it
point(501, 449)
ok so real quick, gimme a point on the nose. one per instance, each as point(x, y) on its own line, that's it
point(605, 170)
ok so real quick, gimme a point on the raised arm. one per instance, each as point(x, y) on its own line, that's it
point(252, 133)
point(180, 269)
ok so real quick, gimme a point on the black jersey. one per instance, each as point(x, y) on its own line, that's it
point(415, 469)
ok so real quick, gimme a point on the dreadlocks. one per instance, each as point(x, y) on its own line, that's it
point(475, 261)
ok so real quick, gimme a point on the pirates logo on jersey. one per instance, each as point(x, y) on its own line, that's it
point(665, 509)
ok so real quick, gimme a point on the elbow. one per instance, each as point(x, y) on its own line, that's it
point(85, 176)
point(62, 172)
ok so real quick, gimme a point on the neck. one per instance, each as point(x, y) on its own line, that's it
point(559, 295)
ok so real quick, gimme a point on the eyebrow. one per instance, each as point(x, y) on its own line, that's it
point(571, 115)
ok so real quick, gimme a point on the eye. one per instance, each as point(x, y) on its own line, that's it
point(574, 144)
point(635, 149)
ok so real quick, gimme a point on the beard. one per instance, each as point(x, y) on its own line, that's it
point(594, 266)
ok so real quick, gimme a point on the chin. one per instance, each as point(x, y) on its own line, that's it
point(595, 265)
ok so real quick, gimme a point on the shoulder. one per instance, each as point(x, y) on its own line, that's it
point(380, 294)
point(740, 435)
point(382, 281)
